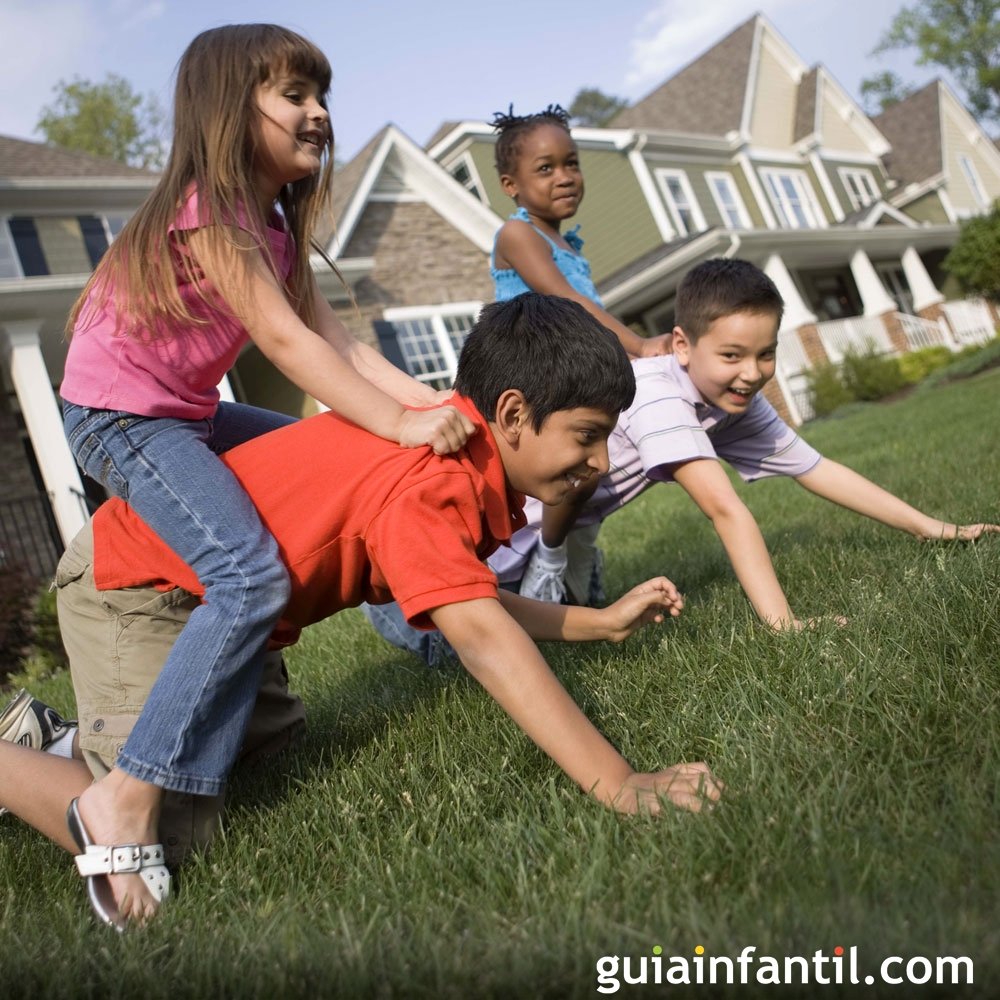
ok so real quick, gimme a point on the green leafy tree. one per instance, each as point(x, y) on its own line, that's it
point(880, 91)
point(593, 107)
point(107, 119)
point(961, 36)
point(975, 258)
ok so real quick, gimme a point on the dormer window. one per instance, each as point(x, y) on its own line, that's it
point(860, 186)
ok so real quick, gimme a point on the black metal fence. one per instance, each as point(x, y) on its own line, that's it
point(29, 536)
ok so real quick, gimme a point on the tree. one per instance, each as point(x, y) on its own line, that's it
point(107, 119)
point(882, 90)
point(975, 258)
point(593, 107)
point(961, 36)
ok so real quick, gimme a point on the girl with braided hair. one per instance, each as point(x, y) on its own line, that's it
point(539, 167)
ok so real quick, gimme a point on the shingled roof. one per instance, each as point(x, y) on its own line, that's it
point(20, 158)
point(345, 182)
point(805, 105)
point(913, 127)
point(706, 97)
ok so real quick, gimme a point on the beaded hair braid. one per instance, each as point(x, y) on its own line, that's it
point(512, 128)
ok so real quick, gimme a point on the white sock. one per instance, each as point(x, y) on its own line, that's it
point(552, 558)
point(63, 747)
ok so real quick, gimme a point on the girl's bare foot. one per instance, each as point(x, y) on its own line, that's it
point(121, 810)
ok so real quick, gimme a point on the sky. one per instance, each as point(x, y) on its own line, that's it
point(418, 64)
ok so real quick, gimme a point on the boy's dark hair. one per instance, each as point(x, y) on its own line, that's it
point(549, 348)
point(512, 128)
point(721, 287)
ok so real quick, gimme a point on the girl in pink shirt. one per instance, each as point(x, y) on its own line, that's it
point(216, 256)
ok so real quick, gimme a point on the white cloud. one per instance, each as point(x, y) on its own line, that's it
point(44, 42)
point(131, 14)
point(675, 32)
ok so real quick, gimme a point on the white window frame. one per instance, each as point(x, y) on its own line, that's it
point(860, 185)
point(663, 176)
point(782, 204)
point(447, 349)
point(474, 185)
point(10, 261)
point(973, 180)
point(736, 206)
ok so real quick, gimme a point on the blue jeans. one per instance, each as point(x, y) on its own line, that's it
point(431, 646)
point(192, 726)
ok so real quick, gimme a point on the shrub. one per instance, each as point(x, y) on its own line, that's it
point(969, 361)
point(827, 390)
point(17, 592)
point(917, 365)
point(871, 376)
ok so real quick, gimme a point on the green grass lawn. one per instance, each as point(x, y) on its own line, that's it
point(416, 844)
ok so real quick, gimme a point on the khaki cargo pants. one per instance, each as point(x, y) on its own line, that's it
point(117, 642)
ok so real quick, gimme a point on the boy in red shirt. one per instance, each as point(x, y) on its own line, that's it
point(544, 383)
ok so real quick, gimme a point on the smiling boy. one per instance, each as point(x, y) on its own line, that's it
point(543, 382)
point(704, 403)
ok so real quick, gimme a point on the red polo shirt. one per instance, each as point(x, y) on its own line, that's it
point(356, 518)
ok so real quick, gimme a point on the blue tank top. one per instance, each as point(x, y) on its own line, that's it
point(574, 267)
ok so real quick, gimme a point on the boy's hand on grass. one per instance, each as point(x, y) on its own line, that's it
point(687, 786)
point(649, 602)
point(445, 429)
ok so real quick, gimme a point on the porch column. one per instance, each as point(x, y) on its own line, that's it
point(925, 294)
point(43, 418)
point(798, 322)
point(875, 300)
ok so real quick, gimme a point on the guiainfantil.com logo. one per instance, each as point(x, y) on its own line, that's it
point(821, 969)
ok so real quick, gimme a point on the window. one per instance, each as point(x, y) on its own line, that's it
point(975, 184)
point(894, 279)
point(728, 201)
point(95, 237)
point(677, 193)
point(428, 339)
point(792, 198)
point(464, 171)
point(28, 245)
point(860, 186)
point(51, 244)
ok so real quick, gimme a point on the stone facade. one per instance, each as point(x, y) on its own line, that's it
point(445, 267)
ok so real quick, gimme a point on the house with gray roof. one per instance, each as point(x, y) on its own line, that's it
point(748, 151)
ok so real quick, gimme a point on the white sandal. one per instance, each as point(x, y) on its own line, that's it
point(98, 861)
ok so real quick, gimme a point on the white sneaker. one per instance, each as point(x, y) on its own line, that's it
point(545, 575)
point(31, 723)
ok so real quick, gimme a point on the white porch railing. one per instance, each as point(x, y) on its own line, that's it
point(970, 321)
point(920, 332)
point(859, 334)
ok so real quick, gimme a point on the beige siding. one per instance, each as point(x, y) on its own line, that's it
point(772, 119)
point(837, 133)
point(956, 143)
point(62, 244)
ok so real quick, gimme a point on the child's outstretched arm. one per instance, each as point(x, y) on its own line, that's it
point(841, 485)
point(648, 602)
point(706, 482)
point(520, 247)
point(327, 371)
point(501, 656)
